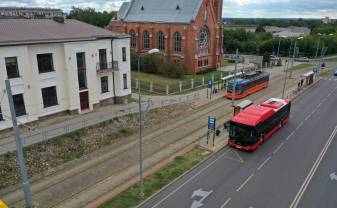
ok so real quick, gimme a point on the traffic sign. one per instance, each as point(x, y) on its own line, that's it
point(211, 123)
point(209, 84)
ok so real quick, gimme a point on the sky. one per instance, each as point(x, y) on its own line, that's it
point(231, 8)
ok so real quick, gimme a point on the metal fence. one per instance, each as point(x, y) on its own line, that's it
point(160, 88)
point(40, 134)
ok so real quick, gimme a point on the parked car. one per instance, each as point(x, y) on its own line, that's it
point(335, 73)
point(302, 59)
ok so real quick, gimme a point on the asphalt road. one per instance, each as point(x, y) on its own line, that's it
point(289, 170)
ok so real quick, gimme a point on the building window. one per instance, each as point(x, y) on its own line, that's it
point(12, 67)
point(81, 70)
point(199, 63)
point(49, 96)
point(19, 105)
point(125, 81)
point(104, 85)
point(45, 62)
point(203, 38)
point(146, 39)
point(177, 42)
point(161, 41)
point(102, 59)
point(124, 53)
point(206, 62)
point(1, 116)
point(133, 41)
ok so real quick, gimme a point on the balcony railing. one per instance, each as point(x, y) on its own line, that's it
point(106, 67)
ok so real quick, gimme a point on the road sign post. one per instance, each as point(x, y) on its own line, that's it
point(211, 128)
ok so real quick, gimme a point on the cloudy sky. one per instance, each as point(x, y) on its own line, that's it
point(231, 8)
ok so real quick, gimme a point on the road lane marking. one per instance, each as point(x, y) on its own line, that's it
point(314, 168)
point(306, 118)
point(245, 182)
point(278, 148)
point(292, 133)
point(299, 126)
point(264, 162)
point(319, 105)
point(189, 180)
point(226, 202)
point(314, 111)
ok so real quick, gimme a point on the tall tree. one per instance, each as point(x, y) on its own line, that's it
point(91, 16)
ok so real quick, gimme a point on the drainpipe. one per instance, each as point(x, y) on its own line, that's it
point(113, 72)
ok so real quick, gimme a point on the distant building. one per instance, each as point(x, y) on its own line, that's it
point(29, 13)
point(56, 66)
point(247, 28)
point(288, 31)
point(327, 20)
point(186, 31)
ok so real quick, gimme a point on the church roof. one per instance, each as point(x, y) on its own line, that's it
point(173, 11)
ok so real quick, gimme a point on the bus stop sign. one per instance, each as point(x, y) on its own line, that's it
point(209, 84)
point(211, 123)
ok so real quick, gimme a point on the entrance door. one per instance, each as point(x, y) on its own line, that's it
point(84, 100)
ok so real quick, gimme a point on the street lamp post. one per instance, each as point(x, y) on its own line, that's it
point(235, 71)
point(287, 66)
point(141, 124)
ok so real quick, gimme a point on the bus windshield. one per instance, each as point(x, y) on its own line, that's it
point(242, 134)
point(231, 87)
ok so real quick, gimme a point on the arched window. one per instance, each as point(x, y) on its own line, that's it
point(203, 43)
point(203, 38)
point(161, 41)
point(146, 39)
point(133, 41)
point(177, 42)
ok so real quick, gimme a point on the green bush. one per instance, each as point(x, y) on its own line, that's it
point(155, 65)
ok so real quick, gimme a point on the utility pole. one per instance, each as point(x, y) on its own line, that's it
point(141, 127)
point(285, 79)
point(235, 71)
point(22, 162)
point(278, 48)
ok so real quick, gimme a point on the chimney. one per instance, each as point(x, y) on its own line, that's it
point(58, 19)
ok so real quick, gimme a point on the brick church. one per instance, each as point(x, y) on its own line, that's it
point(186, 31)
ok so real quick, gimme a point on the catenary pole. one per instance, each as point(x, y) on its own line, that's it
point(19, 147)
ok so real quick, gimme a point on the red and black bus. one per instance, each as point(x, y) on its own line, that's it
point(255, 124)
point(247, 84)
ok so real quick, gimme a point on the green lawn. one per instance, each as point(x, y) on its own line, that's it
point(300, 67)
point(153, 183)
point(325, 73)
point(161, 80)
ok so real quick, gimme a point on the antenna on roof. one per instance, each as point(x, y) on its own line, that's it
point(142, 8)
point(178, 7)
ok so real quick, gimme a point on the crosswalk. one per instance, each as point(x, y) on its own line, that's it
point(331, 79)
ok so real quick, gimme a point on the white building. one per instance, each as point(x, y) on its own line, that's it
point(30, 13)
point(60, 66)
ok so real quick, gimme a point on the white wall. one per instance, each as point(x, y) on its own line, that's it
point(64, 77)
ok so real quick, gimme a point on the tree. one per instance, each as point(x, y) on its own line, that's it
point(91, 16)
point(260, 29)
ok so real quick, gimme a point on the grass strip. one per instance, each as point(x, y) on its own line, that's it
point(152, 184)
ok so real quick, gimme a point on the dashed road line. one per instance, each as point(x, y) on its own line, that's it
point(299, 126)
point(278, 148)
point(264, 162)
point(314, 111)
point(245, 182)
point(292, 133)
point(226, 202)
point(306, 118)
point(189, 180)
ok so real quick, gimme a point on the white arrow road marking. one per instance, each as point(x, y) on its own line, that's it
point(202, 194)
point(333, 176)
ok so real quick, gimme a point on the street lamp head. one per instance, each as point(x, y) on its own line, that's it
point(319, 34)
point(153, 51)
point(299, 38)
point(331, 34)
